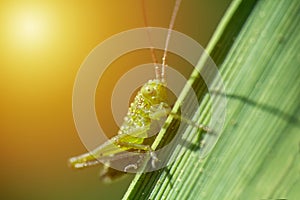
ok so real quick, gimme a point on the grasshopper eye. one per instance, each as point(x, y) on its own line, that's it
point(148, 91)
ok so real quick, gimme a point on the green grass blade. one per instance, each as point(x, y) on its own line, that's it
point(257, 49)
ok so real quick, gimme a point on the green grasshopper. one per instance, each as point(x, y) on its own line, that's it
point(149, 106)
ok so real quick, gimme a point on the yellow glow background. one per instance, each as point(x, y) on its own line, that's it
point(42, 45)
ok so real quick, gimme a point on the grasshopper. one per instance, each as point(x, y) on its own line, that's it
point(149, 106)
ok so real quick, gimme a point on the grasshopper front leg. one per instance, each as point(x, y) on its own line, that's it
point(159, 110)
point(163, 110)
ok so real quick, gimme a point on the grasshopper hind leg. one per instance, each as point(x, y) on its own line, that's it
point(138, 148)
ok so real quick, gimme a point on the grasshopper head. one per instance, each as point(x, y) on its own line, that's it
point(155, 91)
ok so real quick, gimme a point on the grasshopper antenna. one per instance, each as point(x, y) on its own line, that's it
point(175, 11)
point(154, 59)
point(160, 73)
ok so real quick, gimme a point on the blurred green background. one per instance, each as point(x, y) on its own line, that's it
point(42, 45)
